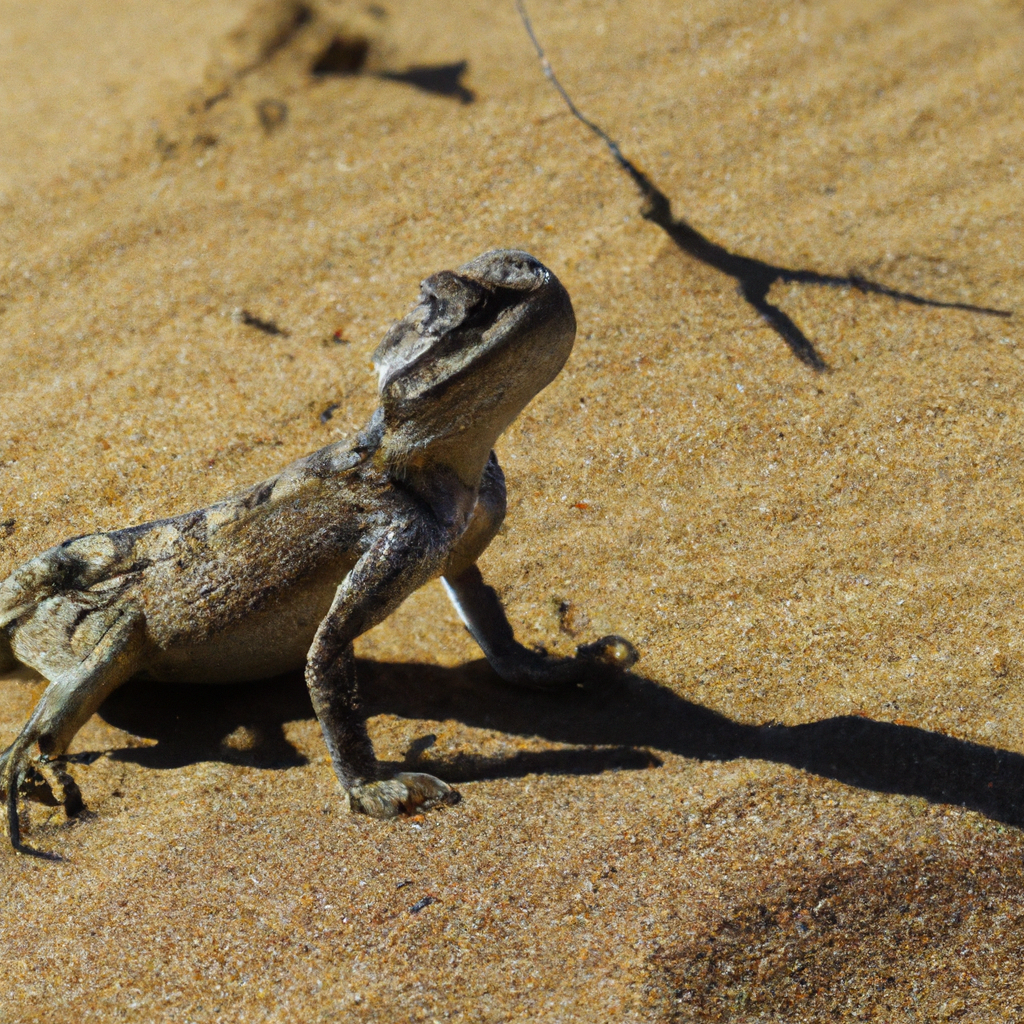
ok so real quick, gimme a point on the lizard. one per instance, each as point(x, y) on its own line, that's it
point(287, 573)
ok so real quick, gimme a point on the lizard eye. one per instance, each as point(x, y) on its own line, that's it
point(449, 300)
point(434, 310)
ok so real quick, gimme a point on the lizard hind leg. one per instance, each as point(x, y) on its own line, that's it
point(66, 704)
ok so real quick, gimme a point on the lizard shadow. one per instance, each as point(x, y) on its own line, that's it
point(236, 723)
point(618, 724)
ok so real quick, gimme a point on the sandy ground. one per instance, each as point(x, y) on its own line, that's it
point(806, 802)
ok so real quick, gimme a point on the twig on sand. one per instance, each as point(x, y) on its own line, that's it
point(753, 277)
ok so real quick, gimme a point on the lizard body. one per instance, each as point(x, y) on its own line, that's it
point(287, 573)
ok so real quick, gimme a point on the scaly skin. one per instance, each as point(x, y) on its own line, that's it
point(288, 573)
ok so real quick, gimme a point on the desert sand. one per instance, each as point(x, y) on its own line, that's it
point(806, 801)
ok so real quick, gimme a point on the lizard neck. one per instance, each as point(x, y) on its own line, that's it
point(458, 459)
point(441, 489)
point(443, 474)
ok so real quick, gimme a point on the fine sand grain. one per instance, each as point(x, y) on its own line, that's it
point(806, 802)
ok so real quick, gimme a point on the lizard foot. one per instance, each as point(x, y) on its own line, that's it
point(594, 664)
point(404, 793)
point(21, 773)
point(614, 652)
point(15, 767)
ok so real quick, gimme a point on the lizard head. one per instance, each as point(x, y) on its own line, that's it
point(481, 341)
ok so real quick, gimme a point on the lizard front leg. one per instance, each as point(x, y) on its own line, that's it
point(480, 609)
point(395, 565)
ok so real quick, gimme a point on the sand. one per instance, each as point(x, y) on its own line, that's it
point(805, 804)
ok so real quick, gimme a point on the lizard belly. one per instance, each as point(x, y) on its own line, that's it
point(262, 643)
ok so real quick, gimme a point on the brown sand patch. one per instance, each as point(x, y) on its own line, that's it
point(928, 934)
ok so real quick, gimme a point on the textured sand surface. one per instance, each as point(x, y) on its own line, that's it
point(806, 802)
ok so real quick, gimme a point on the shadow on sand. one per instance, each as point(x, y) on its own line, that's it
point(438, 79)
point(623, 724)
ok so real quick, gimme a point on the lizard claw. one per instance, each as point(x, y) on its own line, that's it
point(404, 793)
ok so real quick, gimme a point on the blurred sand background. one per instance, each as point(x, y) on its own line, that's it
point(806, 803)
